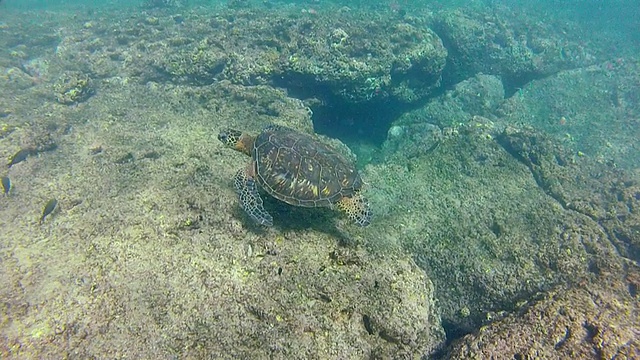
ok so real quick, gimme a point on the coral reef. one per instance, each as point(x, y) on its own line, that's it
point(329, 51)
point(501, 41)
point(479, 95)
point(596, 121)
point(594, 321)
point(512, 221)
point(471, 186)
point(150, 257)
point(593, 199)
point(72, 88)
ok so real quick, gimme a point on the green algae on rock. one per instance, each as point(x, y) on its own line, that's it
point(595, 320)
point(472, 185)
point(73, 87)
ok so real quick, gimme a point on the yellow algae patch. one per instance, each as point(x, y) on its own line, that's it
point(41, 330)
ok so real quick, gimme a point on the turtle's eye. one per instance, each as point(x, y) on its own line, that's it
point(223, 137)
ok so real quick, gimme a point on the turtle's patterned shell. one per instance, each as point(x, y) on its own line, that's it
point(300, 170)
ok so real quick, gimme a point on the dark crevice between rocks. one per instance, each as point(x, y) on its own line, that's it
point(515, 83)
point(534, 152)
point(527, 151)
point(457, 69)
point(357, 124)
point(592, 333)
point(455, 331)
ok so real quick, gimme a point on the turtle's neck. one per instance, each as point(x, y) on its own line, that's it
point(245, 145)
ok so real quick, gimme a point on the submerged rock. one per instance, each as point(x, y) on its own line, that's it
point(481, 223)
point(345, 53)
point(73, 87)
point(592, 110)
point(596, 320)
point(498, 41)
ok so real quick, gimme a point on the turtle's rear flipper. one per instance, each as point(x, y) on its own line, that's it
point(357, 209)
point(250, 199)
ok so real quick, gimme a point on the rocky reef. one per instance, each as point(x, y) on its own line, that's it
point(501, 166)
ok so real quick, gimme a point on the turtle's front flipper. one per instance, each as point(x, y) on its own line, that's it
point(250, 199)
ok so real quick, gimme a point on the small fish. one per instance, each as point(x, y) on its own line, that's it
point(48, 209)
point(20, 156)
point(6, 185)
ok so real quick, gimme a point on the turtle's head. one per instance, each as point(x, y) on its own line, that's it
point(236, 140)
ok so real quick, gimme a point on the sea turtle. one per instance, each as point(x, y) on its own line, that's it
point(295, 168)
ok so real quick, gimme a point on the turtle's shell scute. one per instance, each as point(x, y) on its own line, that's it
point(302, 171)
